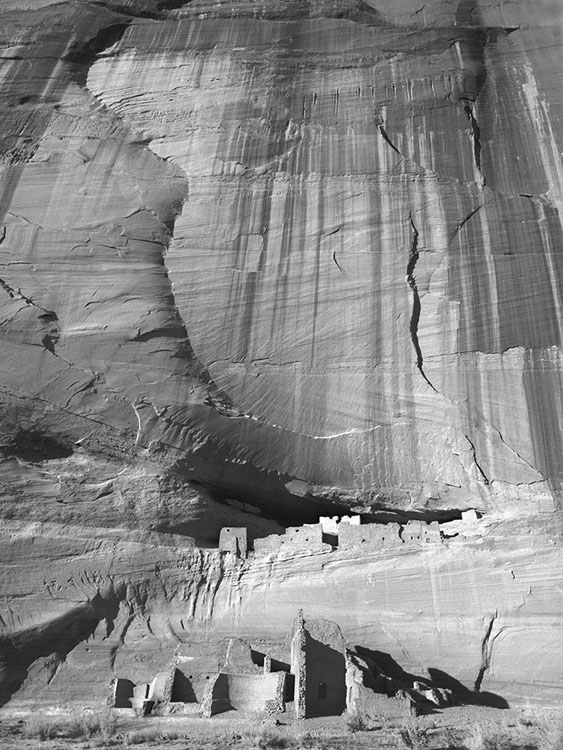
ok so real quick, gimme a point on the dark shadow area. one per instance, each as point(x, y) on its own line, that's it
point(399, 516)
point(123, 693)
point(289, 690)
point(325, 687)
point(35, 446)
point(331, 539)
point(171, 4)
point(182, 690)
point(248, 484)
point(384, 664)
point(221, 701)
point(57, 638)
point(276, 666)
point(462, 694)
point(83, 54)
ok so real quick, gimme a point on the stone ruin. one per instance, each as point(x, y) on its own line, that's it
point(243, 680)
point(323, 677)
point(349, 532)
point(234, 540)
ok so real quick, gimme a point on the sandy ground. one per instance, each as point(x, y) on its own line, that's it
point(457, 727)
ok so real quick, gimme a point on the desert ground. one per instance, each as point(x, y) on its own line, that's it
point(463, 727)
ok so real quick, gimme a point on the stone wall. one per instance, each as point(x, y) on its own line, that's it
point(216, 697)
point(372, 695)
point(325, 688)
point(235, 657)
point(415, 532)
point(390, 535)
point(299, 666)
point(350, 534)
point(308, 537)
point(250, 693)
point(330, 524)
point(372, 535)
point(234, 540)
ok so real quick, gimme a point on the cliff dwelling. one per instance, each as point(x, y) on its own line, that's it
point(322, 677)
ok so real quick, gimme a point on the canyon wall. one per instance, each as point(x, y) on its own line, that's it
point(263, 261)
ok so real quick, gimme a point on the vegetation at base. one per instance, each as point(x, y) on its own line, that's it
point(533, 730)
point(412, 736)
point(144, 736)
point(84, 726)
point(356, 723)
point(264, 738)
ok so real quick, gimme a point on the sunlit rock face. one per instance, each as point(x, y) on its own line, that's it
point(367, 259)
point(265, 260)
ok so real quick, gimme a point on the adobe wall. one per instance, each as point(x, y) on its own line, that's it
point(325, 664)
point(420, 532)
point(299, 666)
point(216, 697)
point(373, 535)
point(235, 657)
point(330, 524)
point(308, 537)
point(350, 534)
point(366, 697)
point(192, 685)
point(251, 693)
point(389, 535)
point(161, 685)
point(234, 540)
point(374, 705)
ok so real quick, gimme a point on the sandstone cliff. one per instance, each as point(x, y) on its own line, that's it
point(263, 260)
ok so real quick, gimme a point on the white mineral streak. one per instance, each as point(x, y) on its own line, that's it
point(289, 258)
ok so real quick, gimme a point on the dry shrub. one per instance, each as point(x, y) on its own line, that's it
point(265, 738)
point(102, 725)
point(84, 726)
point(452, 739)
point(142, 736)
point(41, 727)
point(356, 722)
point(550, 730)
point(482, 738)
point(412, 736)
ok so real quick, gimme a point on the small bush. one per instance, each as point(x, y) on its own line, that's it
point(481, 738)
point(412, 737)
point(265, 738)
point(142, 736)
point(452, 739)
point(551, 733)
point(41, 727)
point(356, 723)
point(84, 726)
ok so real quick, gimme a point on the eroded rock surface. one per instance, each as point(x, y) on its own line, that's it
point(262, 261)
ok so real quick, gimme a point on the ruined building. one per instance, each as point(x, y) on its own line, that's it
point(322, 677)
point(318, 661)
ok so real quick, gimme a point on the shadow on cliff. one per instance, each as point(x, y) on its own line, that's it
point(462, 694)
point(55, 639)
point(386, 665)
